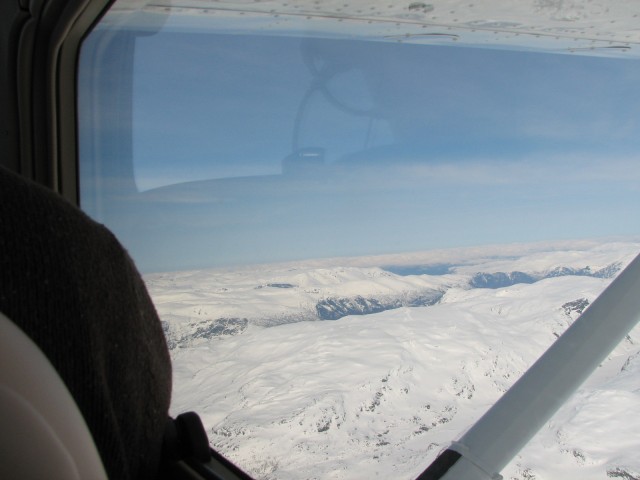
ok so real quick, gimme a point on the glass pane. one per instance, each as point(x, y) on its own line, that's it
point(357, 242)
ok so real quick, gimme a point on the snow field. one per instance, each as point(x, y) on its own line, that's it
point(381, 395)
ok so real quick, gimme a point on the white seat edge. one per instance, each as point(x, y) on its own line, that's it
point(42, 432)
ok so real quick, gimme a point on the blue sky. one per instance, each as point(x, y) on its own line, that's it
point(425, 147)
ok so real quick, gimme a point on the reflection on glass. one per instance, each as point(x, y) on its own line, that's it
point(398, 147)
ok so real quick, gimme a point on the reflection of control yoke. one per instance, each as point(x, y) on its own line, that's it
point(323, 67)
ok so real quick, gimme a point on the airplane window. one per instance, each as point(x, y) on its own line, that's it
point(358, 236)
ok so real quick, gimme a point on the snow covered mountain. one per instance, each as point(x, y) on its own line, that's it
point(407, 363)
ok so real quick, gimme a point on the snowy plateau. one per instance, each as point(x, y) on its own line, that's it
point(368, 367)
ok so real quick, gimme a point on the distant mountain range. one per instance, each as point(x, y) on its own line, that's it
point(335, 307)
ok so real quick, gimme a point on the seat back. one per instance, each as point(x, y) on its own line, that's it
point(68, 284)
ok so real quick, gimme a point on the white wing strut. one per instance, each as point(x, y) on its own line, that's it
point(502, 432)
